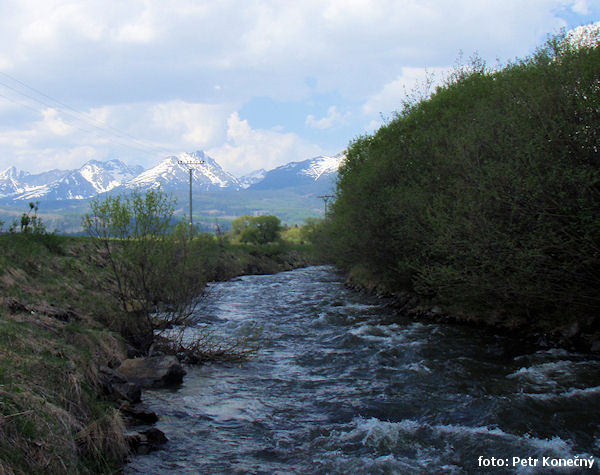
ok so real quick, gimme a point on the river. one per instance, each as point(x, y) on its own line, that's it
point(343, 384)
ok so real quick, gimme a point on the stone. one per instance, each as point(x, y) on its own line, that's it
point(137, 414)
point(154, 371)
point(134, 440)
point(146, 441)
point(436, 310)
point(117, 387)
point(155, 436)
point(128, 391)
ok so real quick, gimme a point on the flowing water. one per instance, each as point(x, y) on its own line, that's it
point(343, 384)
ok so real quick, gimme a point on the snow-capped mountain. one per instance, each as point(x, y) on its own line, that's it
point(321, 170)
point(11, 181)
point(44, 178)
point(92, 178)
point(172, 174)
point(252, 178)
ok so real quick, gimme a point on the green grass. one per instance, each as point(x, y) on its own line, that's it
point(52, 417)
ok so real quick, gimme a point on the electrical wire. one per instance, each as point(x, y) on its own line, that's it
point(123, 138)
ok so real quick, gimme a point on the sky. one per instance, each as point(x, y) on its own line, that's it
point(253, 83)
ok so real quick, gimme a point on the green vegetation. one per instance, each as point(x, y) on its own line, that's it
point(292, 206)
point(154, 267)
point(30, 222)
point(256, 229)
point(71, 305)
point(53, 417)
point(485, 196)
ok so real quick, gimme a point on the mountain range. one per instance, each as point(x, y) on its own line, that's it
point(172, 174)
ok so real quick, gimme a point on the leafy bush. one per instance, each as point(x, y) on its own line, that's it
point(157, 270)
point(487, 192)
point(257, 230)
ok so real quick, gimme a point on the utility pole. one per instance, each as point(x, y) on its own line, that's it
point(190, 164)
point(325, 199)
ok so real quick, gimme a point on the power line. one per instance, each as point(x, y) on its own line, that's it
point(125, 139)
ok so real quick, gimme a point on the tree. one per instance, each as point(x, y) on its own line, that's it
point(260, 229)
point(156, 270)
point(30, 222)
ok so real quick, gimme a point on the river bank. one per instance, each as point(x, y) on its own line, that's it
point(57, 412)
point(345, 384)
point(581, 334)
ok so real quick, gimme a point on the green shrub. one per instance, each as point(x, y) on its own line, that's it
point(487, 192)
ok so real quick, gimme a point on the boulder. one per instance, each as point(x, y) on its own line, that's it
point(150, 440)
point(117, 387)
point(155, 436)
point(154, 371)
point(134, 440)
point(138, 414)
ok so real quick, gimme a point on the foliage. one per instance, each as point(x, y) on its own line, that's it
point(485, 193)
point(30, 222)
point(292, 234)
point(257, 230)
point(157, 270)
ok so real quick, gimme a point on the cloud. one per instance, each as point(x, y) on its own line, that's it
point(258, 48)
point(55, 124)
point(140, 132)
point(413, 82)
point(332, 118)
point(581, 7)
point(248, 149)
point(173, 75)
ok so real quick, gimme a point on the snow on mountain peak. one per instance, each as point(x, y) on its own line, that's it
point(252, 178)
point(323, 165)
point(104, 176)
point(171, 172)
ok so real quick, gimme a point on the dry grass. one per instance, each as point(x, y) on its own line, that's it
point(52, 416)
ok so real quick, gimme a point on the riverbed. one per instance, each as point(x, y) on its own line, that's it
point(343, 384)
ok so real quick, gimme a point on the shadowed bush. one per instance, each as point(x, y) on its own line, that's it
point(485, 195)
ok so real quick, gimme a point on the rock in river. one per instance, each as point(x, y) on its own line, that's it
point(154, 371)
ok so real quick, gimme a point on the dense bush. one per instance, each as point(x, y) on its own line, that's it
point(256, 229)
point(487, 193)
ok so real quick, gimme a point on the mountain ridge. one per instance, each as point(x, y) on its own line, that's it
point(95, 177)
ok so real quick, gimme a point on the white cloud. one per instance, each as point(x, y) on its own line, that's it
point(332, 118)
point(418, 82)
point(49, 22)
point(199, 125)
point(138, 32)
point(55, 124)
point(581, 7)
point(248, 149)
point(172, 74)
point(141, 132)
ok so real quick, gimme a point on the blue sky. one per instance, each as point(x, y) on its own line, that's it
point(255, 84)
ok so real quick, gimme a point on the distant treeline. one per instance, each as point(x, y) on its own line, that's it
point(486, 194)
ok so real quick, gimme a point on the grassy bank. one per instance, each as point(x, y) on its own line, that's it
point(55, 321)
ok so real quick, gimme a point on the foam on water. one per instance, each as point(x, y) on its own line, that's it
point(344, 385)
